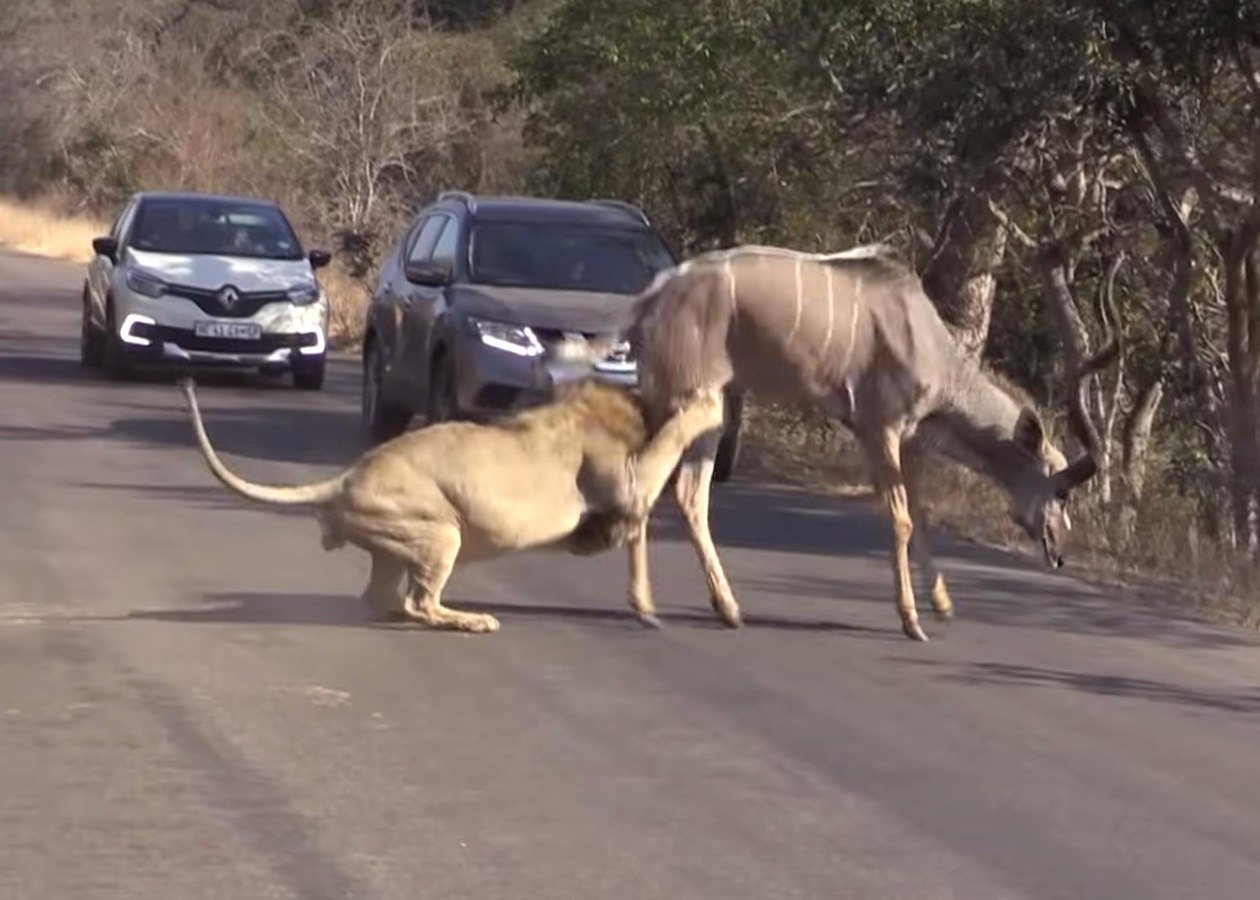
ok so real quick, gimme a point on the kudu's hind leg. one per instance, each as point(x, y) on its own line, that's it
point(921, 542)
point(691, 490)
point(885, 456)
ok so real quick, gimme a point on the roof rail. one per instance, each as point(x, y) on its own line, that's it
point(622, 204)
point(468, 198)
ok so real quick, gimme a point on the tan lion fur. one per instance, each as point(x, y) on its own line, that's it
point(578, 474)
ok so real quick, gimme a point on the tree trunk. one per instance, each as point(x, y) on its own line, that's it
point(960, 276)
point(1135, 442)
point(1243, 350)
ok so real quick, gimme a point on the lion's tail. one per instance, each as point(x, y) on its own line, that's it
point(296, 495)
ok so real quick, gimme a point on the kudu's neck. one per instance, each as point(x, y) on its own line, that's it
point(974, 425)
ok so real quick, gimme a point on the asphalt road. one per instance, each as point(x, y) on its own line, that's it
point(199, 710)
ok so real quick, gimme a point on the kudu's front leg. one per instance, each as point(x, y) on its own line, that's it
point(652, 468)
point(921, 543)
point(890, 481)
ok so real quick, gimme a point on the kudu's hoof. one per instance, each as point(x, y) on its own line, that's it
point(731, 618)
point(914, 631)
point(651, 621)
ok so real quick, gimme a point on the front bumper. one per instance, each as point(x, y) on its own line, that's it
point(163, 330)
point(146, 342)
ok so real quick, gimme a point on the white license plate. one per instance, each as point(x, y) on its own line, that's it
point(240, 331)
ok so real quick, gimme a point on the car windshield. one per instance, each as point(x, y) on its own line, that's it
point(212, 226)
point(565, 257)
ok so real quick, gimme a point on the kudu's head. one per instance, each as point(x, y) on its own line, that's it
point(1045, 479)
point(1040, 491)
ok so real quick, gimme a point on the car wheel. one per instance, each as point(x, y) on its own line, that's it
point(381, 420)
point(90, 343)
point(112, 359)
point(442, 407)
point(308, 375)
point(732, 438)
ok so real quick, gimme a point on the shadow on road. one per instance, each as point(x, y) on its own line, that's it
point(1002, 596)
point(346, 609)
point(283, 434)
point(290, 434)
point(1243, 701)
point(32, 358)
point(212, 497)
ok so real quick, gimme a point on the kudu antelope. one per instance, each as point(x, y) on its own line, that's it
point(853, 334)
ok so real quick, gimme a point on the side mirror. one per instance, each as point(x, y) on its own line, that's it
point(107, 247)
point(428, 274)
point(319, 258)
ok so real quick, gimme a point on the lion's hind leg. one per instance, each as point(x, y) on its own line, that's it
point(429, 558)
point(382, 596)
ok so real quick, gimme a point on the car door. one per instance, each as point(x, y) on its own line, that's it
point(425, 302)
point(403, 360)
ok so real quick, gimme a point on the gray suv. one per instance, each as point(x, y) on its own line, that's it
point(476, 287)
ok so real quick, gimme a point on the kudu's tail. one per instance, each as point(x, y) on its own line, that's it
point(297, 495)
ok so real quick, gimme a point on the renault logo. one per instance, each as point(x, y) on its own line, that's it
point(228, 297)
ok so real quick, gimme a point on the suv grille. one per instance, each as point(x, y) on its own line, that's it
point(208, 301)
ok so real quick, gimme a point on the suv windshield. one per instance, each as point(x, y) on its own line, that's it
point(211, 226)
point(565, 257)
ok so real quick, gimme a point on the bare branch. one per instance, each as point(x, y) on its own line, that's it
point(1018, 233)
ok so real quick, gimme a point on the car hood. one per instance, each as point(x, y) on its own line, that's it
point(213, 272)
point(588, 311)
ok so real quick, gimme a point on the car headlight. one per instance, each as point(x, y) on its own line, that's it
point(518, 339)
point(304, 294)
point(145, 284)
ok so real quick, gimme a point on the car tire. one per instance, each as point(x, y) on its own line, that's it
point(732, 439)
point(380, 420)
point(441, 406)
point(113, 361)
point(91, 349)
point(308, 374)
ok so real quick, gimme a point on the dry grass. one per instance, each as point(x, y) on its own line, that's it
point(348, 298)
point(41, 229)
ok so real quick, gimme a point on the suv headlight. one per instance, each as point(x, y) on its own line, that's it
point(145, 284)
point(518, 339)
point(304, 294)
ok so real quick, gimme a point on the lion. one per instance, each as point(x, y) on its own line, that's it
point(577, 474)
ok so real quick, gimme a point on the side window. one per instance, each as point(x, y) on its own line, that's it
point(123, 220)
point(444, 250)
point(425, 238)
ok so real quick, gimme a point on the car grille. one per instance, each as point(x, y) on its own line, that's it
point(550, 336)
point(267, 343)
point(208, 301)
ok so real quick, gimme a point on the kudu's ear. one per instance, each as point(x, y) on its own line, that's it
point(1029, 433)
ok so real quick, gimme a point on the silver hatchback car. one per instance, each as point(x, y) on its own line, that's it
point(196, 280)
